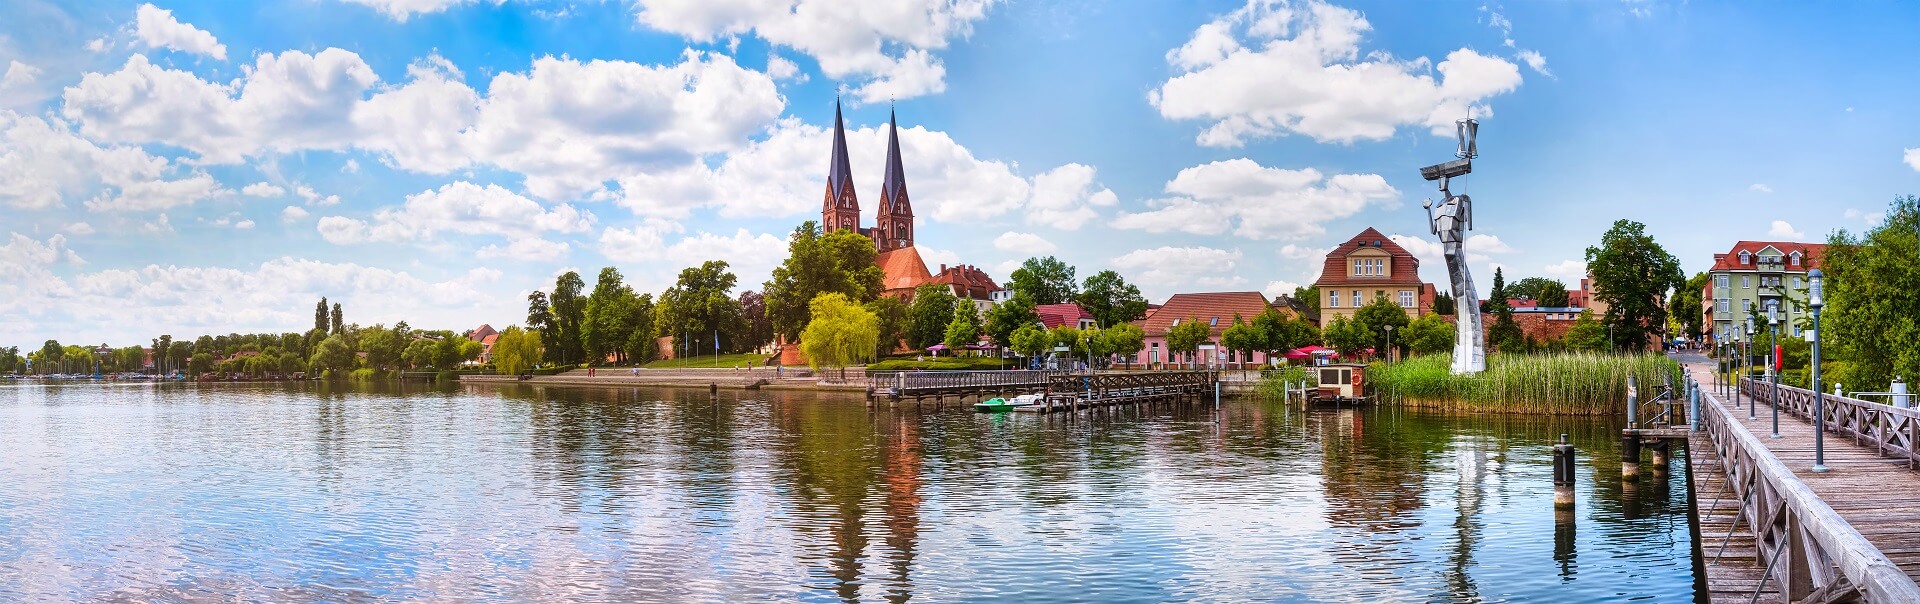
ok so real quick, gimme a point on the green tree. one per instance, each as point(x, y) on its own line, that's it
point(336, 319)
point(1243, 337)
point(1870, 311)
point(1686, 306)
point(1497, 298)
point(516, 350)
point(1348, 337)
point(605, 326)
point(699, 307)
point(964, 328)
point(841, 332)
point(1542, 291)
point(320, 316)
point(419, 353)
point(1586, 334)
point(569, 317)
point(1046, 280)
point(383, 347)
point(1429, 334)
point(1631, 275)
point(1377, 315)
point(892, 316)
point(1505, 334)
point(1310, 296)
point(1111, 300)
point(161, 346)
point(641, 345)
point(540, 319)
point(1442, 303)
point(1186, 337)
point(1006, 318)
point(928, 316)
point(1031, 340)
point(1125, 339)
point(756, 326)
point(333, 354)
point(838, 262)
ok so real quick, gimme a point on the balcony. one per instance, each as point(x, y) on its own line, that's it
point(1770, 265)
point(1771, 291)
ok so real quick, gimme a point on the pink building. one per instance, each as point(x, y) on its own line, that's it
point(1217, 309)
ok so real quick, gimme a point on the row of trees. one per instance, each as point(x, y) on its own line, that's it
point(614, 324)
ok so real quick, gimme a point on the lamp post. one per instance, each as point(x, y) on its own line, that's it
point(1773, 363)
point(1390, 351)
point(1816, 295)
point(1733, 365)
point(1746, 364)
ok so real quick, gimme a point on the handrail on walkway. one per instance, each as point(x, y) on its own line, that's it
point(1892, 431)
point(1811, 553)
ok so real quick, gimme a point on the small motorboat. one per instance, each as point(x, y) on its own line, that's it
point(1001, 404)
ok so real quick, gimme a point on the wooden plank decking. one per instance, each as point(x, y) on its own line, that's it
point(1868, 491)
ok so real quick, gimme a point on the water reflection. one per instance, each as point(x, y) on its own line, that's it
point(522, 492)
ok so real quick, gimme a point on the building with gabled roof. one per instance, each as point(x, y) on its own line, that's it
point(1755, 275)
point(1370, 266)
point(1218, 310)
point(1068, 314)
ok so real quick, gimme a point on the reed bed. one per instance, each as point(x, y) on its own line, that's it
point(1551, 384)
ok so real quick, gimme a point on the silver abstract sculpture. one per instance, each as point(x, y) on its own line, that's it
point(1451, 222)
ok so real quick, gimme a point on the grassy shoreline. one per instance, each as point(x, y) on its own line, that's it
point(1554, 384)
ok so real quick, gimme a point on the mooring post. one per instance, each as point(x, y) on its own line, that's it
point(1661, 451)
point(1693, 410)
point(1629, 456)
point(1563, 474)
point(1633, 403)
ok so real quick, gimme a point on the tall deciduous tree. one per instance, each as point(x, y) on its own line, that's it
point(1631, 275)
point(515, 350)
point(640, 346)
point(1428, 334)
point(837, 262)
point(320, 316)
point(892, 314)
point(928, 316)
point(1376, 316)
point(1869, 320)
point(1348, 337)
point(540, 319)
point(1111, 300)
point(841, 332)
point(605, 325)
point(1031, 340)
point(569, 316)
point(383, 347)
point(1687, 305)
point(1006, 318)
point(1125, 339)
point(1185, 338)
point(333, 354)
point(964, 328)
point(1046, 280)
point(1243, 337)
point(699, 307)
point(756, 327)
point(1587, 334)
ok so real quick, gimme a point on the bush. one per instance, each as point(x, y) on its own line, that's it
point(1273, 383)
point(366, 375)
point(1571, 384)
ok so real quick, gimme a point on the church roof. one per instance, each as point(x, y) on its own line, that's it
point(903, 268)
point(839, 169)
point(894, 188)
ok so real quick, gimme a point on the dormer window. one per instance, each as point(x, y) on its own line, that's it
point(1745, 258)
point(1794, 259)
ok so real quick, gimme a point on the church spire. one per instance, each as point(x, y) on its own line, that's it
point(896, 209)
point(841, 209)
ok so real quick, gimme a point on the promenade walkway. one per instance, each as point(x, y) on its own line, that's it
point(1868, 486)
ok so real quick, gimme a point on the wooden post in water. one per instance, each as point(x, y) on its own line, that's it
point(1629, 442)
point(1563, 475)
point(1661, 452)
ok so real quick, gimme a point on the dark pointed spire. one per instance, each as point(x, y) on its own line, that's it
point(839, 170)
point(893, 189)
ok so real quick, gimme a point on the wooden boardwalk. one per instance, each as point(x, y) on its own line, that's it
point(1850, 533)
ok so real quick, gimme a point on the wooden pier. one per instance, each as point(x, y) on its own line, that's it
point(1770, 529)
point(1059, 390)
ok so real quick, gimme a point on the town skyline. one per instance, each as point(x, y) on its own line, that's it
point(206, 169)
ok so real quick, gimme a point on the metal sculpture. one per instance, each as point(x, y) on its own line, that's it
point(1450, 222)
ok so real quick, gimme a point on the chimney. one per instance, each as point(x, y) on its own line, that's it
point(1583, 285)
point(943, 268)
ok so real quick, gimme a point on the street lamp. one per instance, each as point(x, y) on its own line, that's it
point(1390, 343)
point(1773, 363)
point(1734, 365)
point(1815, 299)
point(1746, 364)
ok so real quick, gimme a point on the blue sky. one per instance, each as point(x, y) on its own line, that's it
point(189, 168)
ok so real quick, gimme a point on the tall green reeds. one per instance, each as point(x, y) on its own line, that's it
point(1559, 384)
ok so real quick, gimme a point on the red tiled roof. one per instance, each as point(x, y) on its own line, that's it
point(903, 268)
point(1403, 266)
point(969, 281)
point(1055, 315)
point(1730, 261)
point(1205, 307)
point(480, 333)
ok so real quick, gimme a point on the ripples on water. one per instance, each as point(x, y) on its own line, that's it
point(315, 493)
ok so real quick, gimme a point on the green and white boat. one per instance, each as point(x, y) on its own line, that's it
point(1000, 404)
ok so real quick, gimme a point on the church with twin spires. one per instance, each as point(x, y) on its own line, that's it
point(892, 232)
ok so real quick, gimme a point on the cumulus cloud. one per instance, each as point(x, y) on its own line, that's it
point(1868, 217)
point(157, 28)
point(884, 44)
point(1273, 68)
point(262, 189)
point(1759, 188)
point(1258, 202)
point(314, 198)
point(1784, 230)
point(1480, 248)
point(531, 249)
point(1912, 157)
point(750, 256)
point(42, 163)
point(1168, 267)
point(401, 10)
point(1569, 272)
point(293, 213)
point(1023, 243)
point(1065, 197)
point(631, 244)
point(1275, 289)
point(1534, 60)
point(18, 75)
point(79, 228)
point(153, 195)
point(459, 207)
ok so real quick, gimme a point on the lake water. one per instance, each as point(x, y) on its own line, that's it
point(524, 493)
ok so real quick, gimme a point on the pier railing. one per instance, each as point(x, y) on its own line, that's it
point(1891, 430)
point(908, 383)
point(1810, 553)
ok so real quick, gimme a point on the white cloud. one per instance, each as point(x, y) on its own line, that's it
point(1868, 217)
point(351, 166)
point(1569, 272)
point(1534, 60)
point(79, 228)
point(1759, 188)
point(1258, 202)
point(1065, 197)
point(100, 44)
point(884, 43)
point(262, 189)
point(293, 213)
point(781, 69)
point(1023, 243)
point(42, 163)
point(1317, 82)
point(314, 198)
point(157, 28)
point(22, 251)
point(1275, 289)
point(1300, 252)
point(532, 249)
point(152, 195)
point(157, 225)
point(1913, 158)
point(459, 207)
point(244, 224)
point(751, 257)
point(18, 75)
point(1170, 267)
point(1479, 248)
point(1784, 230)
point(401, 10)
point(638, 244)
